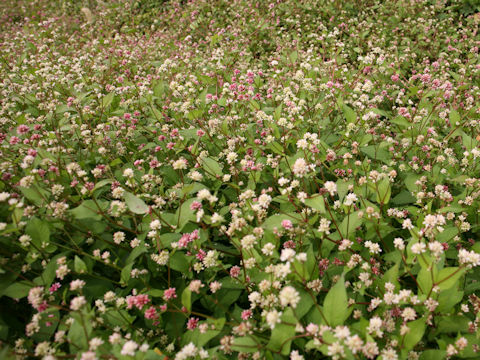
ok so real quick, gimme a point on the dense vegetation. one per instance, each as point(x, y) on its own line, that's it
point(239, 179)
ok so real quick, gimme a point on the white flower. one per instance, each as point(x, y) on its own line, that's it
point(128, 173)
point(418, 248)
point(77, 284)
point(264, 200)
point(129, 348)
point(118, 237)
point(374, 248)
point(187, 351)
point(409, 314)
point(300, 167)
point(287, 255)
point(216, 218)
point(273, 318)
point(180, 164)
point(289, 296)
point(399, 244)
point(268, 249)
point(155, 225)
point(231, 157)
point(77, 303)
point(350, 199)
point(331, 187)
point(196, 176)
point(295, 355)
point(248, 242)
point(407, 224)
point(436, 248)
point(203, 194)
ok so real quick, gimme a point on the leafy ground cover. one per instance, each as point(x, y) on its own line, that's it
point(239, 180)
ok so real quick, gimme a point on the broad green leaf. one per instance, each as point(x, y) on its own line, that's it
point(275, 221)
point(107, 100)
point(125, 275)
point(316, 202)
point(335, 305)
point(448, 277)
point(17, 290)
point(135, 204)
point(79, 330)
point(283, 333)
point(424, 279)
point(38, 231)
point(349, 114)
point(212, 166)
point(349, 224)
point(383, 191)
point(246, 344)
point(187, 298)
point(79, 265)
point(184, 214)
point(87, 209)
point(417, 328)
point(35, 194)
point(178, 261)
point(448, 299)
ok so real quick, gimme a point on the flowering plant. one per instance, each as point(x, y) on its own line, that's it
point(256, 180)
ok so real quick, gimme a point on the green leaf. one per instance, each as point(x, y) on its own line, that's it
point(433, 355)
point(79, 331)
point(35, 194)
point(246, 344)
point(184, 214)
point(304, 305)
point(448, 277)
point(79, 265)
point(179, 262)
point(17, 290)
point(424, 279)
point(107, 100)
point(349, 114)
point(349, 224)
point(136, 252)
point(135, 204)
point(212, 166)
point(391, 275)
point(125, 275)
point(202, 338)
point(275, 221)
point(335, 305)
point(317, 203)
point(404, 197)
point(293, 56)
point(283, 333)
point(448, 299)
point(87, 209)
point(417, 328)
point(38, 231)
point(187, 298)
point(383, 191)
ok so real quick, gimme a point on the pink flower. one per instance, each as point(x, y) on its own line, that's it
point(235, 271)
point(54, 287)
point(138, 301)
point(246, 314)
point(170, 293)
point(192, 323)
point(196, 205)
point(287, 224)
point(151, 313)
